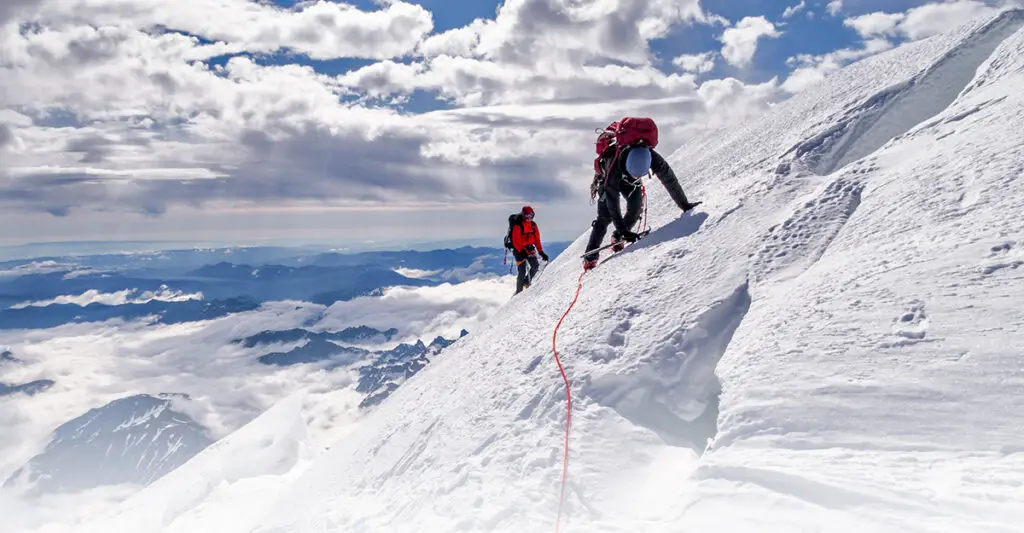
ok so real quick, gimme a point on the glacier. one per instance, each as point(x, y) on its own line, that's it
point(828, 344)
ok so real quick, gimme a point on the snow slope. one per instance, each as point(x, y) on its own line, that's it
point(828, 346)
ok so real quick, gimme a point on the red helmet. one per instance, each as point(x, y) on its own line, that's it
point(527, 210)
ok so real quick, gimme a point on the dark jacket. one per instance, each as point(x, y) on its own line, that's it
point(620, 181)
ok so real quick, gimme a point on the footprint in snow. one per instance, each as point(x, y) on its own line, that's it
point(533, 365)
point(617, 338)
point(1003, 256)
point(800, 241)
point(913, 323)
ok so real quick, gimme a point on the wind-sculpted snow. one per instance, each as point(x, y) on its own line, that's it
point(868, 125)
point(794, 245)
point(674, 391)
point(848, 342)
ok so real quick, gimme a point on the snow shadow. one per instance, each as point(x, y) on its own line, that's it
point(869, 125)
point(673, 390)
point(684, 226)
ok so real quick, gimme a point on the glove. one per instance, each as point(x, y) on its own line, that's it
point(530, 249)
point(629, 236)
point(544, 256)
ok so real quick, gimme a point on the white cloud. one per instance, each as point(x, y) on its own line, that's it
point(425, 312)
point(10, 8)
point(249, 126)
point(931, 19)
point(258, 131)
point(696, 63)
point(321, 30)
point(834, 7)
point(454, 42)
point(919, 22)
point(793, 10)
point(741, 40)
point(417, 273)
point(94, 363)
point(12, 117)
point(876, 24)
point(37, 267)
point(124, 297)
point(730, 100)
point(811, 69)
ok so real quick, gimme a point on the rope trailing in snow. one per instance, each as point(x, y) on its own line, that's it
point(568, 394)
point(568, 398)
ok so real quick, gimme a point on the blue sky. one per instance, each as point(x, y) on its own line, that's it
point(400, 116)
point(801, 35)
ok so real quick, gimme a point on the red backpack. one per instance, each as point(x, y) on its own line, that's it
point(618, 135)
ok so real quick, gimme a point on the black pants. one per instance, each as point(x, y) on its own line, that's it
point(523, 262)
point(634, 203)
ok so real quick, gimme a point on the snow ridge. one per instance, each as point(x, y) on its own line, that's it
point(886, 115)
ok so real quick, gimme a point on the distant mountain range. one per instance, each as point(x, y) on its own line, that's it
point(384, 372)
point(165, 312)
point(176, 286)
point(317, 350)
point(393, 367)
point(134, 440)
point(352, 335)
point(140, 438)
point(30, 388)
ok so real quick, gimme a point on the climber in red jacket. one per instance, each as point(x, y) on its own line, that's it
point(525, 247)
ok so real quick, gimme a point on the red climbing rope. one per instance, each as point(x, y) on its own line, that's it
point(568, 394)
point(568, 398)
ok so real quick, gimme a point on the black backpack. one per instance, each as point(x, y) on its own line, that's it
point(514, 220)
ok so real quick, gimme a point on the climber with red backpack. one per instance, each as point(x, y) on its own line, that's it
point(524, 240)
point(625, 155)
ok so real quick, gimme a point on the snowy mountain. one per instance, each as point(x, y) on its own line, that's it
point(30, 388)
point(318, 284)
point(317, 350)
point(165, 312)
point(175, 287)
point(135, 440)
point(350, 335)
point(385, 369)
point(439, 265)
point(828, 344)
point(394, 367)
